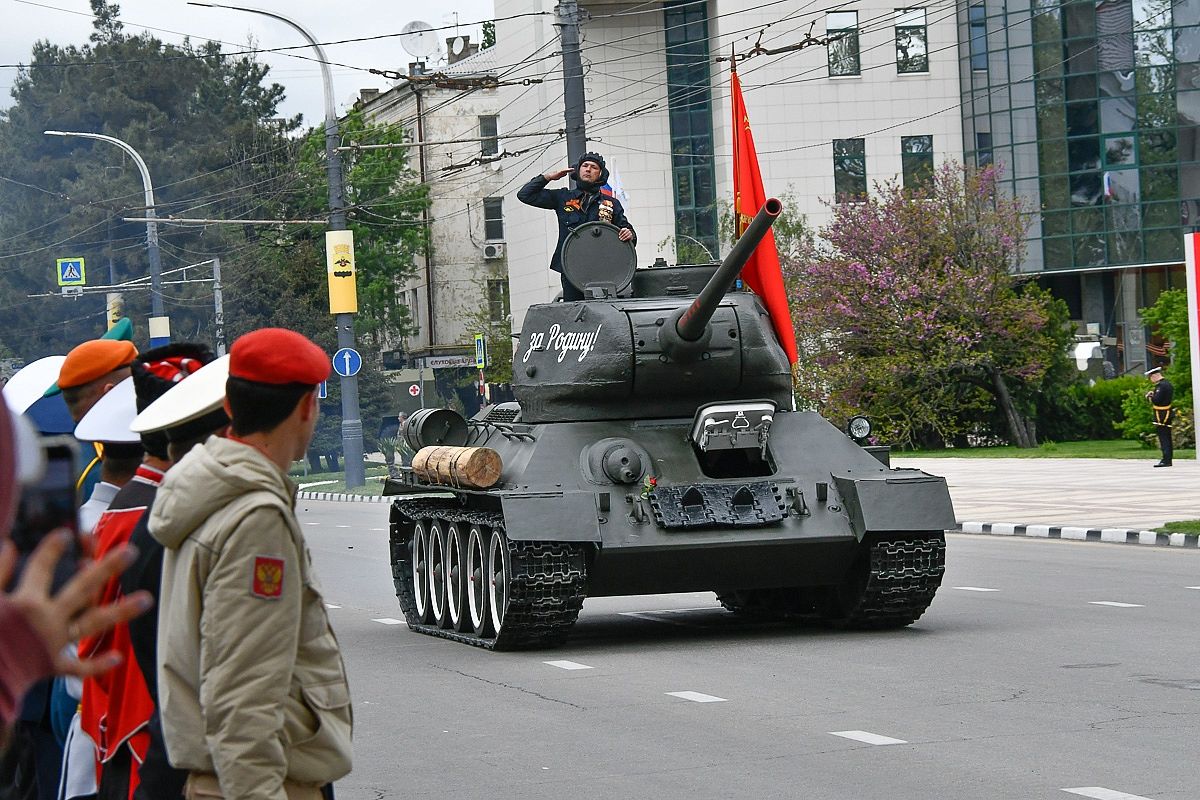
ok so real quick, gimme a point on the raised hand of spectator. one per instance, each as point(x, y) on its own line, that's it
point(70, 613)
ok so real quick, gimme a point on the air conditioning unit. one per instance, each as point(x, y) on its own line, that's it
point(493, 251)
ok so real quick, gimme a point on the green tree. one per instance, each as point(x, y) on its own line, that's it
point(201, 120)
point(908, 310)
point(286, 283)
point(1169, 317)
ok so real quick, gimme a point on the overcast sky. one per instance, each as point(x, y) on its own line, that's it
point(70, 22)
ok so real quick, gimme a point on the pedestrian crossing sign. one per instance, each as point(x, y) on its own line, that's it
point(71, 272)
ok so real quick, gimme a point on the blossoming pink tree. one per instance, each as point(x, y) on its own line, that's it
point(908, 309)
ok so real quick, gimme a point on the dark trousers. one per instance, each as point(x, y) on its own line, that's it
point(1164, 442)
point(570, 291)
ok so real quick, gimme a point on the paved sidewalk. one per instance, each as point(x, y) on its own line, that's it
point(1084, 492)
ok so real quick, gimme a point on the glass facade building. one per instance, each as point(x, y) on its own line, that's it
point(689, 100)
point(1091, 111)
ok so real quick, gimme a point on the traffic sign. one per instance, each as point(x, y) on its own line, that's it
point(347, 362)
point(480, 351)
point(323, 390)
point(414, 390)
point(71, 271)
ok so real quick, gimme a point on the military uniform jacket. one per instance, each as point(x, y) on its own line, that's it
point(573, 208)
point(251, 682)
point(1160, 402)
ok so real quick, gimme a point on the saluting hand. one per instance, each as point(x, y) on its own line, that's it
point(553, 176)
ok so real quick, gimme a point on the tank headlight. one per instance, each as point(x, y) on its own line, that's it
point(858, 427)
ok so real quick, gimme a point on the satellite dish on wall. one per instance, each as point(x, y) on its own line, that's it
point(457, 45)
point(418, 40)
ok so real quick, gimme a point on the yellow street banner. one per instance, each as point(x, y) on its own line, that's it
point(339, 257)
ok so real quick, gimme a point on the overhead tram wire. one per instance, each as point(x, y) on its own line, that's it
point(285, 50)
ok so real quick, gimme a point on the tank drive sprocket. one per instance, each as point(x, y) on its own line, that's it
point(545, 581)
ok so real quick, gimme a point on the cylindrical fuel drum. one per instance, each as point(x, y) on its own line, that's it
point(434, 426)
point(460, 467)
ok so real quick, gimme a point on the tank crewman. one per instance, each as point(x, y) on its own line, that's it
point(116, 707)
point(1160, 398)
point(256, 707)
point(588, 202)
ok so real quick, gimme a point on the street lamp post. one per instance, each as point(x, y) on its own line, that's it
point(160, 330)
point(352, 443)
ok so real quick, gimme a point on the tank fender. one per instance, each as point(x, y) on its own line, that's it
point(538, 516)
point(905, 500)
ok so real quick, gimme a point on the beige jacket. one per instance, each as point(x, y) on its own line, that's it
point(251, 681)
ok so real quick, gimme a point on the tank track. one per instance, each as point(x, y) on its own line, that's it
point(903, 575)
point(890, 585)
point(546, 589)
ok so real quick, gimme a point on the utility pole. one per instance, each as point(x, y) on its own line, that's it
point(568, 24)
point(343, 301)
point(218, 307)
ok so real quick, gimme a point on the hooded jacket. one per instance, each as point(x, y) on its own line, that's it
point(251, 682)
point(573, 206)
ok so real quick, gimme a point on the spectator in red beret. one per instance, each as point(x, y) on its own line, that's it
point(234, 552)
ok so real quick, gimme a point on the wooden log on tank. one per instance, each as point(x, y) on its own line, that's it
point(460, 467)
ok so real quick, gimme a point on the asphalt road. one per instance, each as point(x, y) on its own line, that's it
point(1043, 669)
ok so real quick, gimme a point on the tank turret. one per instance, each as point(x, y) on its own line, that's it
point(648, 343)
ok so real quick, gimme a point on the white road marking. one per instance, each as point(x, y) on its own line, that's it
point(696, 697)
point(312, 523)
point(331, 605)
point(975, 589)
point(867, 737)
point(389, 621)
point(341, 526)
point(1113, 604)
point(1100, 793)
point(377, 529)
point(567, 664)
point(304, 486)
point(1192, 587)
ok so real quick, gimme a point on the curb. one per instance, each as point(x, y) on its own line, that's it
point(1111, 535)
point(339, 497)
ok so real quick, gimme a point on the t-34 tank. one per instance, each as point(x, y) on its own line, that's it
point(653, 447)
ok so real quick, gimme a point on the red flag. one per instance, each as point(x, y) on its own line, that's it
point(761, 273)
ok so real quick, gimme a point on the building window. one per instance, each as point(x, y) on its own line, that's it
point(916, 155)
point(489, 132)
point(849, 169)
point(983, 149)
point(977, 19)
point(497, 300)
point(912, 41)
point(843, 51)
point(689, 102)
point(493, 218)
point(414, 311)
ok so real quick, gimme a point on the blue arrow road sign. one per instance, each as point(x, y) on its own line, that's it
point(347, 362)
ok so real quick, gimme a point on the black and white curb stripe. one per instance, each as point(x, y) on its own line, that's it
point(341, 497)
point(1114, 535)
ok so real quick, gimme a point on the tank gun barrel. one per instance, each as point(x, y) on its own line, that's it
point(691, 323)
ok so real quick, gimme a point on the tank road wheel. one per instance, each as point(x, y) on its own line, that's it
point(456, 577)
point(419, 558)
point(891, 583)
point(437, 574)
point(499, 569)
point(477, 581)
